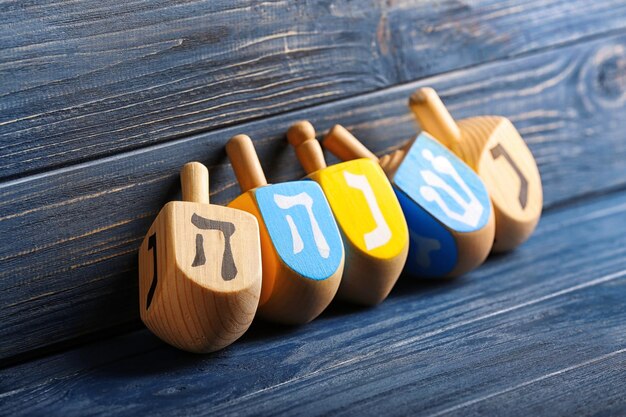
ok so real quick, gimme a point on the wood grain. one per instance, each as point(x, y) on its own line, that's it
point(73, 233)
point(544, 323)
point(83, 79)
point(199, 269)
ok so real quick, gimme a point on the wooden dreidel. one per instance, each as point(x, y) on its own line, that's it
point(446, 205)
point(301, 247)
point(493, 148)
point(369, 216)
point(199, 269)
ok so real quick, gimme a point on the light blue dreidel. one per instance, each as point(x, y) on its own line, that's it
point(446, 205)
point(301, 248)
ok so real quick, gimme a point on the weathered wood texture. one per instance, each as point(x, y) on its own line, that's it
point(539, 331)
point(88, 79)
point(72, 235)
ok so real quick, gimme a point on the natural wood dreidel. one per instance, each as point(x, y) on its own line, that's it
point(493, 148)
point(369, 216)
point(199, 269)
point(302, 251)
point(446, 205)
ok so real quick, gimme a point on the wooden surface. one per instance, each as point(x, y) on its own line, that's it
point(538, 331)
point(83, 79)
point(102, 103)
point(75, 231)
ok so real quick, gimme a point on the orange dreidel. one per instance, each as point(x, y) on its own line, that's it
point(301, 247)
point(446, 205)
point(369, 216)
point(199, 269)
point(493, 148)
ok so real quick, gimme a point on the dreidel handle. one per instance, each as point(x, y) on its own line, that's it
point(301, 136)
point(391, 162)
point(245, 162)
point(345, 146)
point(194, 180)
point(433, 116)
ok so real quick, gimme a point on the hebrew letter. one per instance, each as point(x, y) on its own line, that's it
point(199, 259)
point(381, 234)
point(424, 247)
point(152, 245)
point(472, 209)
point(229, 269)
point(498, 151)
point(303, 199)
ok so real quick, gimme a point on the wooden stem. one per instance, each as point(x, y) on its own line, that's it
point(194, 180)
point(245, 163)
point(345, 146)
point(433, 116)
point(391, 162)
point(301, 136)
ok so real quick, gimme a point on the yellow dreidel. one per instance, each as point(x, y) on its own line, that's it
point(494, 149)
point(301, 246)
point(446, 205)
point(368, 214)
point(199, 269)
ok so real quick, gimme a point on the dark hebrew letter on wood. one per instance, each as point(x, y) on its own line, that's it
point(199, 260)
point(498, 151)
point(152, 245)
point(229, 269)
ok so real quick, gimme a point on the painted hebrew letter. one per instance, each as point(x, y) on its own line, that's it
point(303, 199)
point(424, 247)
point(229, 269)
point(152, 245)
point(381, 234)
point(498, 151)
point(472, 209)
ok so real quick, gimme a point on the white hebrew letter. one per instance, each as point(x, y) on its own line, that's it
point(424, 247)
point(298, 244)
point(472, 209)
point(303, 199)
point(381, 234)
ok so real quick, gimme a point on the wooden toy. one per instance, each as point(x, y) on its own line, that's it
point(199, 269)
point(493, 148)
point(301, 247)
point(369, 216)
point(446, 205)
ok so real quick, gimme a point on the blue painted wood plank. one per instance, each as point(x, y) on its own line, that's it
point(86, 79)
point(600, 378)
point(74, 232)
point(552, 311)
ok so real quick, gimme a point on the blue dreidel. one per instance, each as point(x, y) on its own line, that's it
point(447, 208)
point(495, 150)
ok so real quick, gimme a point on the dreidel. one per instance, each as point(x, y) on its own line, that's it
point(199, 269)
point(446, 205)
point(301, 248)
point(368, 214)
point(493, 148)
